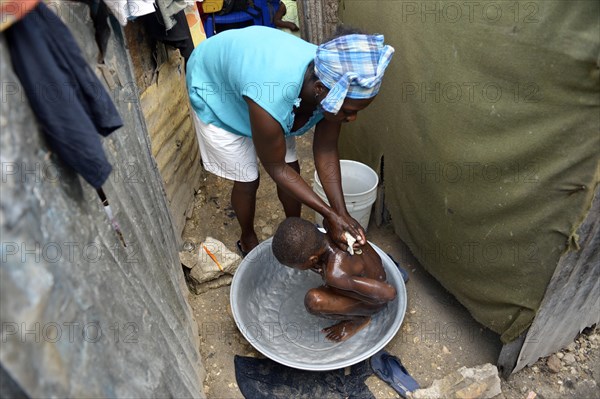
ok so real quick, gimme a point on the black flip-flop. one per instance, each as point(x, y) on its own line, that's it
point(239, 247)
point(390, 369)
point(403, 272)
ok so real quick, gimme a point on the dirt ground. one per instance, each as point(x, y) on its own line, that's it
point(437, 337)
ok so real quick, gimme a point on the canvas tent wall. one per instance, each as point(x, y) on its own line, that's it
point(487, 133)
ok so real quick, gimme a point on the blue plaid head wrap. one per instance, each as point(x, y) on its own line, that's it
point(351, 66)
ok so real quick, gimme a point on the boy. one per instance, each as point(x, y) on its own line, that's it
point(355, 286)
point(286, 17)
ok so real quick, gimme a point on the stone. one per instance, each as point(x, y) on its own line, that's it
point(553, 364)
point(560, 355)
point(480, 382)
point(569, 384)
point(569, 359)
point(586, 389)
point(267, 230)
point(203, 267)
point(201, 288)
point(524, 389)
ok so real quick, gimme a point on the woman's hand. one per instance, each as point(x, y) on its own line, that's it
point(336, 225)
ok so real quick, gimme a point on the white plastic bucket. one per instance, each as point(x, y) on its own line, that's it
point(359, 183)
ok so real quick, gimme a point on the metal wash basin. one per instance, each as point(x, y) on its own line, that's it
point(267, 300)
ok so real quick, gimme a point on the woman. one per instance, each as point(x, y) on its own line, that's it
point(254, 89)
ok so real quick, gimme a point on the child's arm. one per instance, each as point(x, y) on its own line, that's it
point(360, 276)
point(363, 288)
point(280, 23)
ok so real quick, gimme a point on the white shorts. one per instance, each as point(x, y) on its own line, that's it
point(230, 155)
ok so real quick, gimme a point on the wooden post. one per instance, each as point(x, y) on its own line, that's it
point(318, 19)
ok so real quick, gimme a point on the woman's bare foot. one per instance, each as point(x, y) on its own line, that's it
point(345, 329)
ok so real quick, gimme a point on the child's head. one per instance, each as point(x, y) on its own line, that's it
point(297, 243)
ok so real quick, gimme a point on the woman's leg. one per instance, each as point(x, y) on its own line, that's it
point(291, 206)
point(243, 201)
point(232, 157)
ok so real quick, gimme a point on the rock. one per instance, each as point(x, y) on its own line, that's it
point(553, 364)
point(586, 389)
point(201, 288)
point(481, 382)
point(188, 246)
point(535, 369)
point(203, 267)
point(560, 355)
point(261, 223)
point(569, 384)
point(445, 350)
point(571, 347)
point(267, 230)
point(524, 389)
point(188, 259)
point(561, 389)
point(569, 359)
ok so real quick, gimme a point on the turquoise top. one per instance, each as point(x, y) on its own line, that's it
point(262, 63)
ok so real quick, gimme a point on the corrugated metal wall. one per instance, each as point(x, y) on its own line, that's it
point(83, 315)
point(160, 76)
point(166, 108)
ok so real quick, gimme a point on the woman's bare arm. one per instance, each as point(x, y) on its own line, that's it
point(269, 143)
point(327, 164)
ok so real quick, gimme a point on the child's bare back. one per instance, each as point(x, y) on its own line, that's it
point(354, 288)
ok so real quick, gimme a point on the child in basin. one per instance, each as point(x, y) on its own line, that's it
point(355, 286)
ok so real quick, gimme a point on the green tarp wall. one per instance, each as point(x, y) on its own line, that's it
point(488, 127)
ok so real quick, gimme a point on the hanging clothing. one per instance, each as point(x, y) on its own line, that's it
point(266, 379)
point(126, 10)
point(169, 8)
point(71, 105)
point(179, 36)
